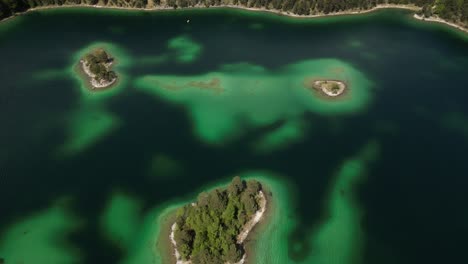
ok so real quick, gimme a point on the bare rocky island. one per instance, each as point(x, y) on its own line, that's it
point(215, 227)
point(332, 88)
point(97, 66)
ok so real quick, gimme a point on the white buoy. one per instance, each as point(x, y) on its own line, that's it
point(188, 21)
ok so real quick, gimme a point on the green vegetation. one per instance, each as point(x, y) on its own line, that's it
point(98, 62)
point(334, 87)
point(43, 236)
point(207, 231)
point(186, 49)
point(224, 110)
point(452, 10)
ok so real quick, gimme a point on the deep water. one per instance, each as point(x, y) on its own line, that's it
point(379, 177)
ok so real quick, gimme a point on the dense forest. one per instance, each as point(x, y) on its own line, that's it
point(452, 10)
point(207, 231)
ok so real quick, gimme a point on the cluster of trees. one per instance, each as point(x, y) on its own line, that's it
point(452, 10)
point(97, 61)
point(11, 7)
point(207, 232)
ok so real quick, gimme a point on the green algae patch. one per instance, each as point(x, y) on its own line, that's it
point(121, 63)
point(50, 74)
point(164, 167)
point(182, 49)
point(288, 133)
point(369, 55)
point(121, 219)
point(86, 127)
point(225, 102)
point(124, 224)
point(270, 245)
point(42, 238)
point(355, 43)
point(153, 59)
point(186, 49)
point(150, 243)
point(456, 122)
point(338, 239)
point(136, 231)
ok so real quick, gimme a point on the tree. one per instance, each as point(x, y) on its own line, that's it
point(249, 202)
point(217, 201)
point(101, 55)
point(236, 186)
point(452, 10)
point(185, 238)
point(234, 253)
point(207, 232)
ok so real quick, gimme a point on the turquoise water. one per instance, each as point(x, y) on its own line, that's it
point(377, 176)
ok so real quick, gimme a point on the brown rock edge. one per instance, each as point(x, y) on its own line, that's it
point(309, 84)
point(78, 68)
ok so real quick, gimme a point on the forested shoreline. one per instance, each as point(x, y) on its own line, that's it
point(450, 10)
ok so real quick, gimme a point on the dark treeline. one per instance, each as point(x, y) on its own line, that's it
point(452, 10)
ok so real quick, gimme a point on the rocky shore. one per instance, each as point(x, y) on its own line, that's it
point(96, 83)
point(154, 7)
point(97, 66)
point(332, 88)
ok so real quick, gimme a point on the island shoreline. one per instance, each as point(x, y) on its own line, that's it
point(95, 86)
point(78, 69)
point(165, 243)
point(250, 240)
point(254, 9)
point(310, 84)
point(83, 72)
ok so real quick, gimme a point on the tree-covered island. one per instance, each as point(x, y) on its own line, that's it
point(97, 66)
point(213, 229)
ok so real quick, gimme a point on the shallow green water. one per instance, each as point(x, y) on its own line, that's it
point(376, 177)
point(249, 95)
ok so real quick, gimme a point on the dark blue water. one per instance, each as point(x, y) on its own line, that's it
point(414, 201)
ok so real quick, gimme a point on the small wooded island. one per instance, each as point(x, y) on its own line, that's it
point(332, 88)
point(214, 228)
point(96, 65)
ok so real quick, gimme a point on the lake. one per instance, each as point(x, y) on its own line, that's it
point(378, 176)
